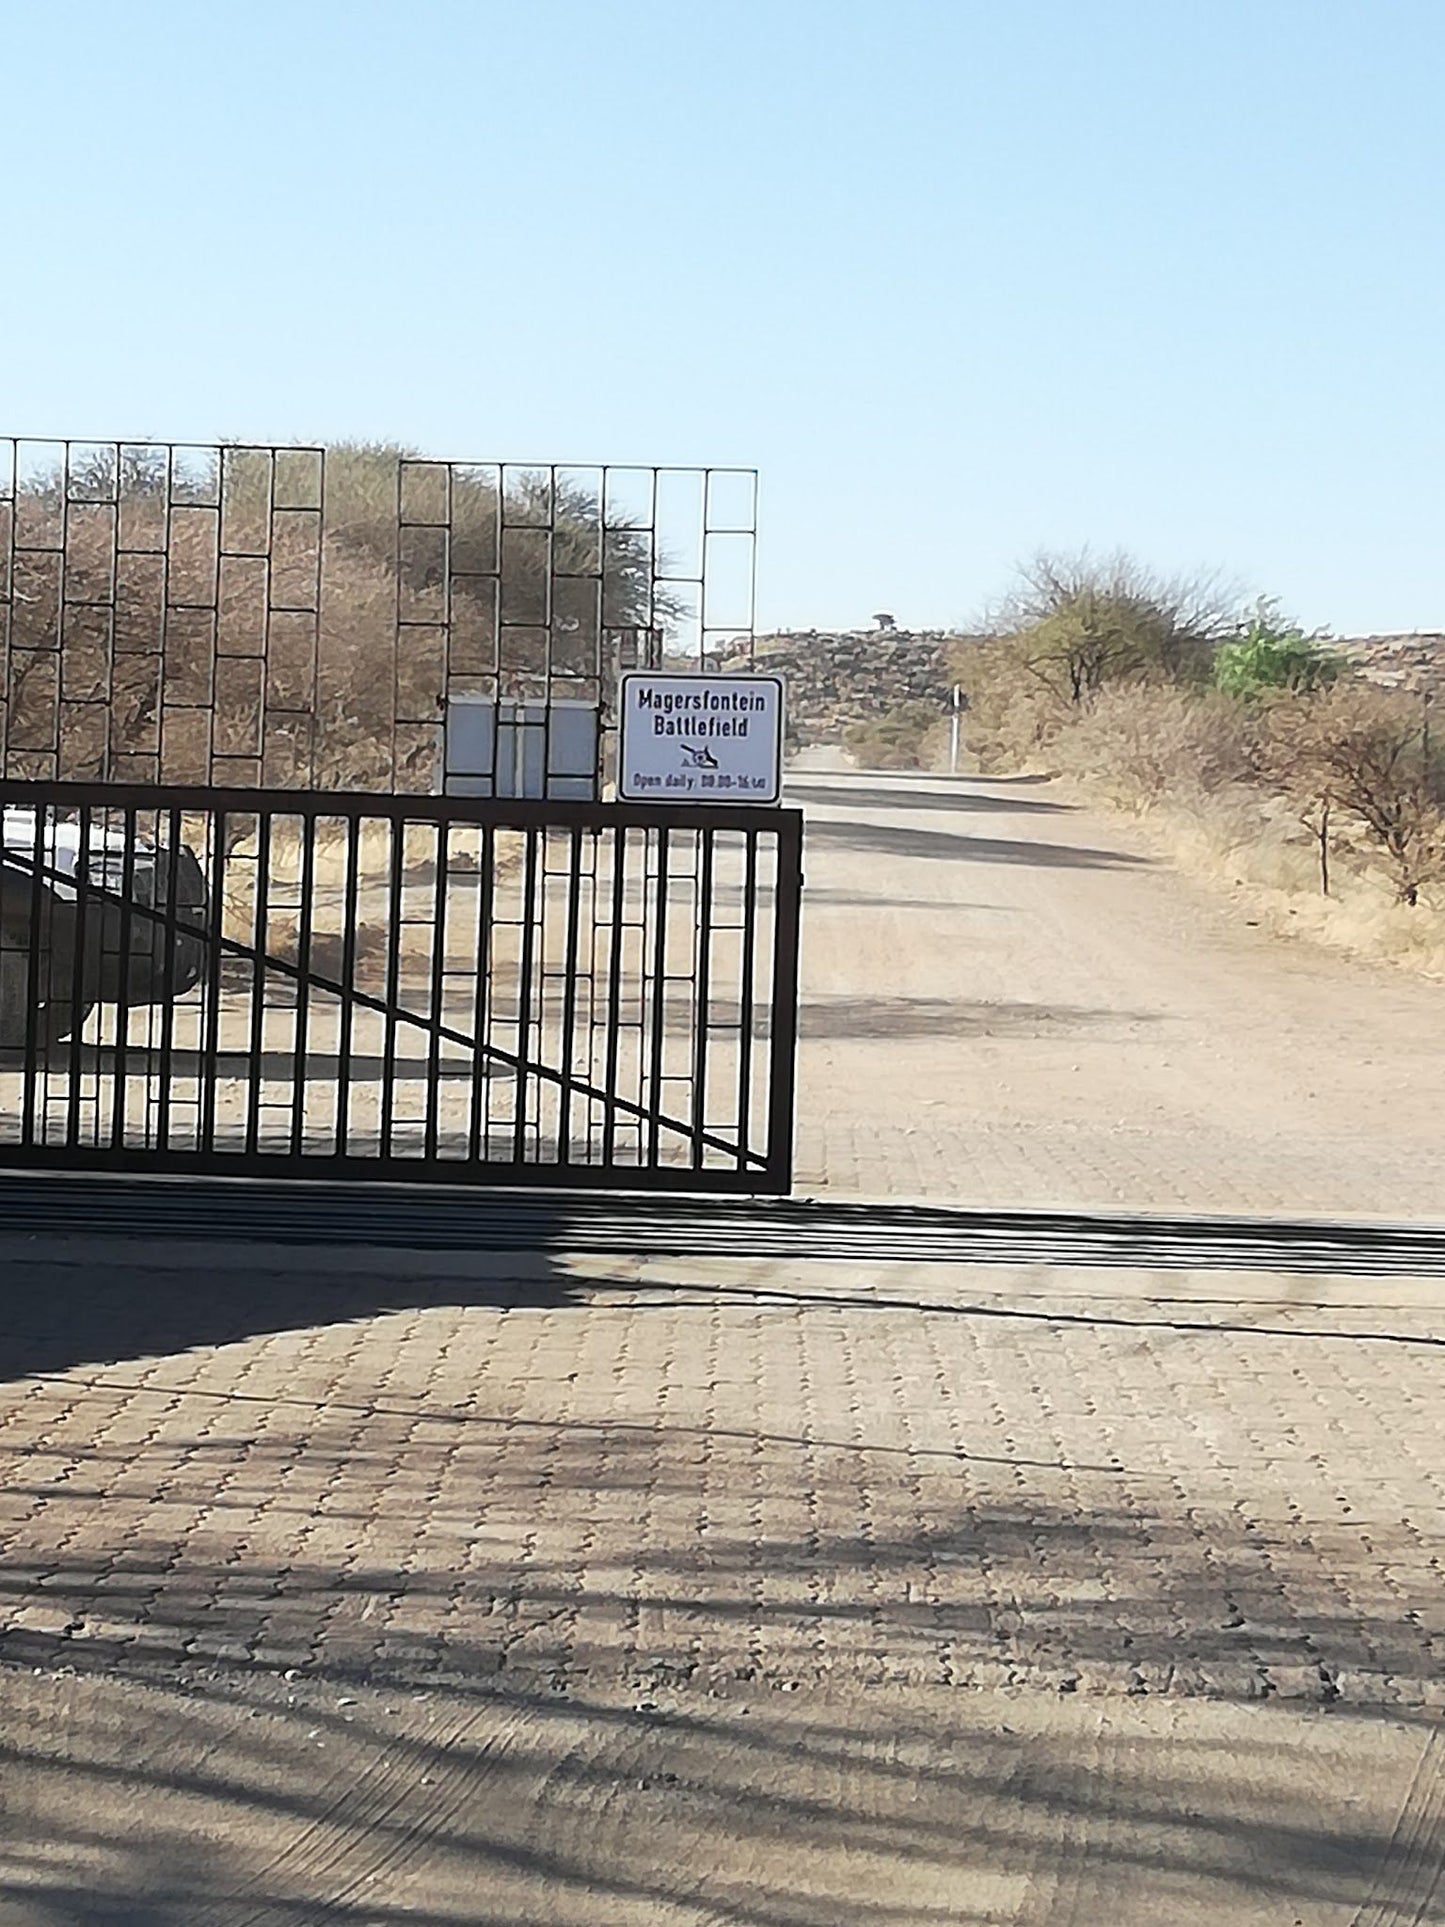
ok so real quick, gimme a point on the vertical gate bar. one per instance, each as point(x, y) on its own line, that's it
point(438, 990)
point(395, 687)
point(596, 1023)
point(348, 972)
point(120, 1075)
point(643, 924)
point(524, 995)
point(482, 1007)
point(260, 937)
point(702, 996)
point(77, 975)
point(39, 895)
point(397, 855)
point(569, 1001)
point(549, 598)
point(614, 989)
point(659, 1008)
point(310, 830)
point(211, 1008)
point(9, 446)
point(168, 983)
point(782, 1068)
point(746, 990)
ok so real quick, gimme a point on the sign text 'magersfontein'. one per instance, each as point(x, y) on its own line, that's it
point(699, 713)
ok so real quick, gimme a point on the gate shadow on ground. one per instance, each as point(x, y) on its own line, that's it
point(429, 1719)
point(881, 839)
point(860, 796)
point(943, 1017)
point(59, 1313)
point(819, 894)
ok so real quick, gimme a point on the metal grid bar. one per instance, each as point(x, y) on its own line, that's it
point(299, 616)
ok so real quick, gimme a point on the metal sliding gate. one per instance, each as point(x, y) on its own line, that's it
point(437, 988)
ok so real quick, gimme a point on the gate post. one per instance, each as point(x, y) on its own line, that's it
point(782, 1077)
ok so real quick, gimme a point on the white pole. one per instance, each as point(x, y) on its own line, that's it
point(953, 737)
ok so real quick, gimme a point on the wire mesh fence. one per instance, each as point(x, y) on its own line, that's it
point(287, 617)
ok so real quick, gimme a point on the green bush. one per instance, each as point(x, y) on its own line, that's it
point(1273, 654)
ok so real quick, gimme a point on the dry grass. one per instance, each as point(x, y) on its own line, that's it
point(1144, 745)
point(1249, 849)
point(371, 940)
point(1181, 763)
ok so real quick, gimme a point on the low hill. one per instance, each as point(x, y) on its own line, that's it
point(836, 677)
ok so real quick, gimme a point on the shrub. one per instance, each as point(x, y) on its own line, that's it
point(1077, 625)
point(305, 673)
point(1011, 718)
point(1364, 753)
point(1273, 654)
point(1147, 743)
point(905, 737)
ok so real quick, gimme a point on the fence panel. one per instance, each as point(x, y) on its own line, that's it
point(285, 617)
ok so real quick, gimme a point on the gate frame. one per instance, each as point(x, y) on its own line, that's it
point(770, 1175)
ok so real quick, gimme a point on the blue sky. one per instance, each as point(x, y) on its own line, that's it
point(963, 278)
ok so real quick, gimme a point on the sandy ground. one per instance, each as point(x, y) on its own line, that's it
point(918, 1810)
point(352, 1587)
point(1010, 1002)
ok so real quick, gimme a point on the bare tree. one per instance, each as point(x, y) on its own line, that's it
point(1363, 753)
point(1077, 623)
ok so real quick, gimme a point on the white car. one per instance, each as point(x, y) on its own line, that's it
point(60, 956)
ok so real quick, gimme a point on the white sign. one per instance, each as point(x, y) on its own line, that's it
point(700, 739)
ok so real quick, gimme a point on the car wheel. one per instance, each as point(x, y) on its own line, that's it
point(61, 1020)
point(14, 998)
point(53, 1018)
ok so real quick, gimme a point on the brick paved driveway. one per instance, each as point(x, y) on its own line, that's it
point(936, 1475)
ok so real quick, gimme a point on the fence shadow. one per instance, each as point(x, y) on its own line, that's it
point(325, 1658)
point(943, 1017)
point(953, 802)
point(881, 839)
point(62, 1314)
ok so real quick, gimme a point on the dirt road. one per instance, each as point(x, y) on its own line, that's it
point(362, 1588)
point(1010, 1003)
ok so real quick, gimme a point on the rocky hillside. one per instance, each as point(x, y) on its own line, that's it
point(1413, 662)
point(835, 677)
